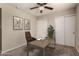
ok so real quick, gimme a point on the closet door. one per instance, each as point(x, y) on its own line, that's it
point(59, 28)
point(70, 30)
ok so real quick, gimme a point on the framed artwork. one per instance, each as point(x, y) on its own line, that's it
point(17, 23)
point(26, 24)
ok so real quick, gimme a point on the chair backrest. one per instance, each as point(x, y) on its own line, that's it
point(28, 36)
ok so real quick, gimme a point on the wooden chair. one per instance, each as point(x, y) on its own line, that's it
point(29, 39)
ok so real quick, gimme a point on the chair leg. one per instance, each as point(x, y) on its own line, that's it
point(43, 51)
point(27, 50)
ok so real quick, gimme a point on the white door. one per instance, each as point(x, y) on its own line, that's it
point(59, 28)
point(41, 28)
point(70, 30)
point(65, 30)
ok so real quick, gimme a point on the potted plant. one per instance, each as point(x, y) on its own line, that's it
point(50, 32)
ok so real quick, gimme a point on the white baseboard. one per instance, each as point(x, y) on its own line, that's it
point(77, 50)
point(13, 48)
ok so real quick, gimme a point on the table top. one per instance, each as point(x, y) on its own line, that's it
point(41, 43)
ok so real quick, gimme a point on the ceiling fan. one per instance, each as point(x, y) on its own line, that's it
point(41, 7)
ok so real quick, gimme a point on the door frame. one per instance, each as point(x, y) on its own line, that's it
point(0, 30)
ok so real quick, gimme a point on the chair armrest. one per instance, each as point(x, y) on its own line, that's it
point(33, 38)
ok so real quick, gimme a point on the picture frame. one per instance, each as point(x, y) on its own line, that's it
point(27, 24)
point(17, 23)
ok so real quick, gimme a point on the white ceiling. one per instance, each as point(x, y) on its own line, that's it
point(35, 12)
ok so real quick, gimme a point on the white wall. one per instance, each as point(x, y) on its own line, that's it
point(12, 38)
point(51, 17)
point(77, 28)
point(41, 28)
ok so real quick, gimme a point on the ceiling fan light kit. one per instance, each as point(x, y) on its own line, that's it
point(41, 9)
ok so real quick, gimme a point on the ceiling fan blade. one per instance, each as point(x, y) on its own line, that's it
point(48, 7)
point(34, 7)
point(41, 4)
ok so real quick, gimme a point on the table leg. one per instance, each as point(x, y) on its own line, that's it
point(43, 51)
